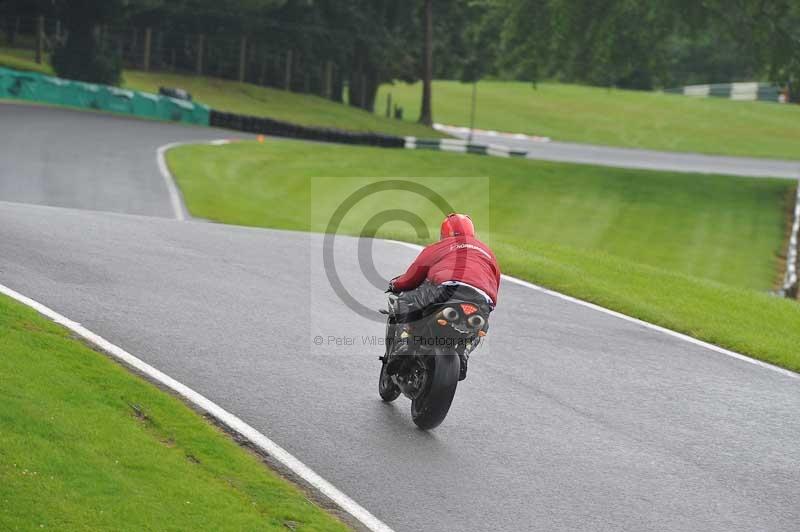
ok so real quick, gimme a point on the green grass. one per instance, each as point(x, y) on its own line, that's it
point(690, 252)
point(86, 445)
point(614, 117)
point(726, 229)
point(22, 59)
point(246, 98)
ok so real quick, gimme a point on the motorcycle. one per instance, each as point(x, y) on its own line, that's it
point(439, 344)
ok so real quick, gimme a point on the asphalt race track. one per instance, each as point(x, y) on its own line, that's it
point(644, 159)
point(65, 158)
point(571, 419)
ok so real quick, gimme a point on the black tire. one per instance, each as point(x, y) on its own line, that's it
point(429, 410)
point(387, 389)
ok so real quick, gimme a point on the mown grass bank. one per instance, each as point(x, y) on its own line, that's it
point(694, 253)
point(614, 117)
point(22, 59)
point(248, 99)
point(86, 445)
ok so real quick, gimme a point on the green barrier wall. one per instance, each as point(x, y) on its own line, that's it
point(36, 87)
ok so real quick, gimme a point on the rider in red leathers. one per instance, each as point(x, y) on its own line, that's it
point(458, 265)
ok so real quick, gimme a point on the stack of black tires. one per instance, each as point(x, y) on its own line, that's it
point(278, 128)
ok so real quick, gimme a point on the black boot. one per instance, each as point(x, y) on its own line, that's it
point(400, 354)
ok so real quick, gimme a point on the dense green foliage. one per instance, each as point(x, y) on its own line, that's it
point(646, 44)
point(650, 244)
point(86, 445)
point(345, 49)
point(82, 55)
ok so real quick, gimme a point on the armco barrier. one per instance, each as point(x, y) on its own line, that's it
point(278, 128)
point(463, 146)
point(764, 92)
point(34, 87)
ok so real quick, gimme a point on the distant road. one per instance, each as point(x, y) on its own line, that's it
point(645, 159)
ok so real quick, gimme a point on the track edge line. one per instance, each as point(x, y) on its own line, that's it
point(175, 197)
point(646, 324)
point(224, 417)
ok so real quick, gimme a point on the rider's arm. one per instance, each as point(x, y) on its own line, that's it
point(416, 273)
point(498, 282)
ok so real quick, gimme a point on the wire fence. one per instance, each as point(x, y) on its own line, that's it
point(223, 55)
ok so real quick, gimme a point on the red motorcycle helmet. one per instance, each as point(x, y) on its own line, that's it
point(457, 225)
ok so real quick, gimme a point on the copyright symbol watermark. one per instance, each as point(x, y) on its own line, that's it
point(370, 228)
point(354, 214)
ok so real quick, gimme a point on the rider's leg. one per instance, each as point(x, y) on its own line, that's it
point(409, 309)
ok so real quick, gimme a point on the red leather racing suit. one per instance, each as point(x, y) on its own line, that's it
point(459, 258)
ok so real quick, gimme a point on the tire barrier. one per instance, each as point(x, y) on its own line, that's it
point(278, 128)
point(35, 87)
point(749, 91)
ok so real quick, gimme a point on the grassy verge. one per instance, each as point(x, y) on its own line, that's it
point(22, 59)
point(615, 117)
point(687, 223)
point(691, 252)
point(85, 445)
point(254, 100)
point(246, 98)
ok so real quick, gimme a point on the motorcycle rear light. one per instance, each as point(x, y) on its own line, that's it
point(469, 309)
point(441, 322)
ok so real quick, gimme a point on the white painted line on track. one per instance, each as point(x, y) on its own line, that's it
point(791, 278)
point(178, 208)
point(175, 198)
point(637, 321)
point(223, 416)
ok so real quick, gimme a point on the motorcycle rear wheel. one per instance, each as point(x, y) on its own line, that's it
point(431, 407)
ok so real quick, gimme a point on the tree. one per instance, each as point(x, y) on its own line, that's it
point(771, 30)
point(426, 111)
point(640, 44)
point(374, 39)
point(20, 9)
point(84, 56)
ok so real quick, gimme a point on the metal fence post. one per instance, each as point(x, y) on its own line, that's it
point(262, 76)
point(148, 39)
point(242, 57)
point(328, 79)
point(39, 38)
point(288, 79)
point(198, 67)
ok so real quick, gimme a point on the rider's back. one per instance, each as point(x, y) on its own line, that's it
point(465, 259)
